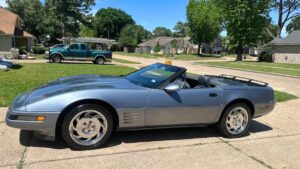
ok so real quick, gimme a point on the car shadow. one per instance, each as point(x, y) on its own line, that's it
point(82, 63)
point(117, 138)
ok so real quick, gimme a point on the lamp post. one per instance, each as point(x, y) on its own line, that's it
point(48, 37)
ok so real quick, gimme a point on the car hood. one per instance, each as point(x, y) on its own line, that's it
point(72, 84)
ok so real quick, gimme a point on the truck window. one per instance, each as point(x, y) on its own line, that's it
point(83, 47)
point(73, 47)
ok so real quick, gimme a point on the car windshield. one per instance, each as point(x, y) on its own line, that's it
point(154, 75)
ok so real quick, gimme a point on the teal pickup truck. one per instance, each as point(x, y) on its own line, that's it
point(78, 52)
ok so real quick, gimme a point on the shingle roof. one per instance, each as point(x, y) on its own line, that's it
point(163, 41)
point(292, 39)
point(8, 21)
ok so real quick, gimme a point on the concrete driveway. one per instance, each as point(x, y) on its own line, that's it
point(273, 142)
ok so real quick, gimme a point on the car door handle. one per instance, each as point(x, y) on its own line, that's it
point(213, 95)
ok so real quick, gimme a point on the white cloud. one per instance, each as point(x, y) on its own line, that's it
point(3, 3)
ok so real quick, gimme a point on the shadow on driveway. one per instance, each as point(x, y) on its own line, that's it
point(117, 138)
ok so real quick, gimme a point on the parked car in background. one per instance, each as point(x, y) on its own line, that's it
point(86, 109)
point(78, 52)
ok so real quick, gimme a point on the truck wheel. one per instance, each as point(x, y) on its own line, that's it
point(235, 121)
point(87, 127)
point(56, 59)
point(100, 60)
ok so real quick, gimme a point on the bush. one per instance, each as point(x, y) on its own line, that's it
point(39, 49)
point(266, 56)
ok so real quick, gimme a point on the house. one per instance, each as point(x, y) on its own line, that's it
point(168, 45)
point(216, 47)
point(11, 32)
point(287, 50)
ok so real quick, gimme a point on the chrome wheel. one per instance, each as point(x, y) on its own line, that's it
point(88, 127)
point(237, 120)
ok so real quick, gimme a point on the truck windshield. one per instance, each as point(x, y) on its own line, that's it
point(154, 75)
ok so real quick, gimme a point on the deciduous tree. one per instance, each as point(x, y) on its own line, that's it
point(109, 22)
point(161, 31)
point(293, 25)
point(204, 21)
point(287, 10)
point(245, 22)
point(132, 35)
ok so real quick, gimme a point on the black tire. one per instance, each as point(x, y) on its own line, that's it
point(100, 60)
point(67, 120)
point(222, 125)
point(56, 59)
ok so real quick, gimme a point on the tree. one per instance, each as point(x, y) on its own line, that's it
point(157, 48)
point(293, 25)
point(245, 22)
point(32, 13)
point(86, 30)
point(109, 22)
point(180, 30)
point(287, 10)
point(161, 31)
point(204, 21)
point(67, 15)
point(132, 35)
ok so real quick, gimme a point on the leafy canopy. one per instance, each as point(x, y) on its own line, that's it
point(32, 13)
point(293, 25)
point(108, 22)
point(132, 35)
point(161, 31)
point(204, 21)
point(245, 21)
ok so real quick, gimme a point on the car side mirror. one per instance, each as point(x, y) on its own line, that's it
point(172, 87)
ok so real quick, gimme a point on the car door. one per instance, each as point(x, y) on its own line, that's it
point(82, 53)
point(186, 106)
point(73, 49)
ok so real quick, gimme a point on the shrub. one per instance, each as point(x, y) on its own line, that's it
point(266, 56)
point(39, 49)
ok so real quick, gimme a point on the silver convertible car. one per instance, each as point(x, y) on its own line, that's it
point(86, 109)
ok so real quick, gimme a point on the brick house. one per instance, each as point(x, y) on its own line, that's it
point(12, 34)
point(287, 50)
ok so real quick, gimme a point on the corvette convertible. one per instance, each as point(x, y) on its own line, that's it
point(85, 109)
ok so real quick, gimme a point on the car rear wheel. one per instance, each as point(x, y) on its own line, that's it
point(87, 127)
point(56, 59)
point(100, 60)
point(235, 121)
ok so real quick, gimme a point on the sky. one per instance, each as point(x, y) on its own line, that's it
point(152, 13)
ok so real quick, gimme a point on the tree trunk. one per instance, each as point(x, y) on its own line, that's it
point(199, 49)
point(239, 52)
point(280, 15)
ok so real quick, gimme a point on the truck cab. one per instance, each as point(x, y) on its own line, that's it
point(79, 52)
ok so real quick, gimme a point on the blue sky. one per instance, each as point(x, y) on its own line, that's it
point(151, 13)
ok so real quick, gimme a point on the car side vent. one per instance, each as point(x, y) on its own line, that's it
point(132, 117)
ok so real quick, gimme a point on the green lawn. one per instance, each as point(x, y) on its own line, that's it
point(282, 96)
point(29, 76)
point(279, 68)
point(178, 56)
point(125, 61)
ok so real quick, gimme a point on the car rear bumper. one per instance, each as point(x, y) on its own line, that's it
point(263, 109)
point(23, 120)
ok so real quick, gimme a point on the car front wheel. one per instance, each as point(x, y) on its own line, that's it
point(56, 59)
point(235, 121)
point(87, 127)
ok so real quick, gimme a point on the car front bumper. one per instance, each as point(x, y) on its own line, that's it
point(25, 120)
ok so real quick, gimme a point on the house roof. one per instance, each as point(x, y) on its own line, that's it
point(8, 23)
point(163, 41)
point(292, 39)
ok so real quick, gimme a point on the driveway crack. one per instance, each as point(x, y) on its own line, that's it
point(252, 157)
point(21, 163)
